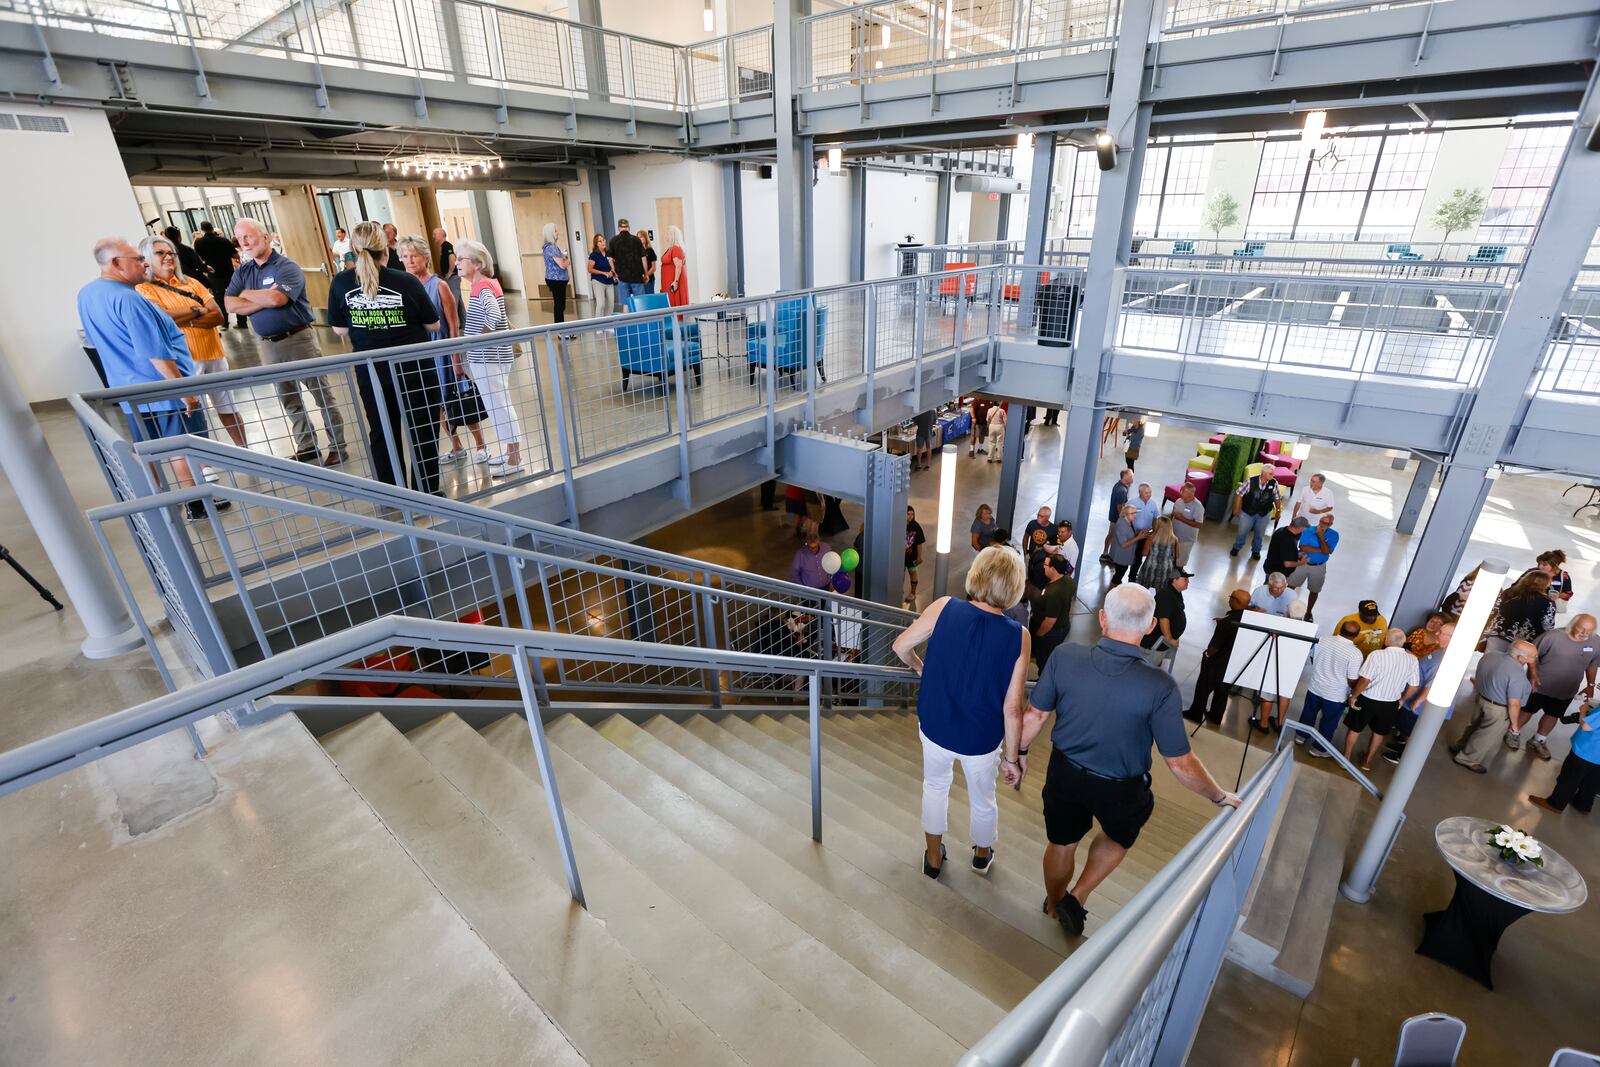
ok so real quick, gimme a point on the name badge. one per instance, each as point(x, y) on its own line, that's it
point(266, 281)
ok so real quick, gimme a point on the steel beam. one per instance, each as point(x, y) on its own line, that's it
point(794, 170)
point(604, 215)
point(1005, 507)
point(733, 226)
point(941, 210)
point(858, 223)
point(1417, 495)
point(1571, 216)
point(883, 542)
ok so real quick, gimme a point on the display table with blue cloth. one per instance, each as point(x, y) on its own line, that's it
point(647, 347)
point(1490, 895)
point(956, 424)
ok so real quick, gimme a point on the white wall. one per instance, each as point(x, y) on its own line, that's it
point(71, 192)
point(897, 205)
point(760, 199)
point(983, 219)
point(1233, 170)
point(638, 180)
point(1467, 159)
point(503, 225)
point(960, 222)
point(830, 226)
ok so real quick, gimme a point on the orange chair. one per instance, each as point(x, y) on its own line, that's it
point(957, 286)
point(1013, 291)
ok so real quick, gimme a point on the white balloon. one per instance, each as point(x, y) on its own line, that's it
point(831, 562)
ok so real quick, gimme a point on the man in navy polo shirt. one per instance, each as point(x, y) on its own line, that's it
point(138, 344)
point(1110, 706)
point(268, 288)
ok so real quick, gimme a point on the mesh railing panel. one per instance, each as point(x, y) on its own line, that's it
point(1194, 17)
point(1572, 359)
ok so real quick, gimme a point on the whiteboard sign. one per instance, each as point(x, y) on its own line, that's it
point(1270, 666)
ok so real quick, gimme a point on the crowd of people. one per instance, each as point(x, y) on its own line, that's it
point(620, 268)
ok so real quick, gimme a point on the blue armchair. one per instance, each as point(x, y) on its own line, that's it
point(1400, 252)
point(785, 342)
point(1488, 254)
point(646, 347)
point(1183, 248)
point(1251, 249)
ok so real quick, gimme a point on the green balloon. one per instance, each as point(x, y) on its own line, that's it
point(849, 559)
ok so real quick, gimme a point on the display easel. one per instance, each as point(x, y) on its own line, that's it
point(44, 594)
point(1266, 660)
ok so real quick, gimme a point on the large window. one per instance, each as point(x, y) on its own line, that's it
point(1366, 187)
point(1078, 181)
point(1172, 190)
point(1522, 184)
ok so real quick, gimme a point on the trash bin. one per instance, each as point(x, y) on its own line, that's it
point(1055, 307)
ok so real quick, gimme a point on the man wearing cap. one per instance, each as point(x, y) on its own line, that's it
point(1283, 549)
point(1162, 642)
point(1370, 626)
point(627, 259)
point(1315, 546)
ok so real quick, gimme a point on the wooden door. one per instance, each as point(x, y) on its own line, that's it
point(532, 210)
point(458, 222)
point(300, 228)
point(669, 212)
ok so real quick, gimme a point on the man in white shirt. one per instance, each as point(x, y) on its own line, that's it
point(1336, 664)
point(1375, 698)
point(1313, 499)
point(1273, 598)
point(341, 245)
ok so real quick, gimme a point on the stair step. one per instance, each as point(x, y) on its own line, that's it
point(1272, 899)
point(831, 872)
point(1007, 894)
point(868, 986)
point(609, 1006)
point(746, 1009)
point(871, 843)
point(637, 811)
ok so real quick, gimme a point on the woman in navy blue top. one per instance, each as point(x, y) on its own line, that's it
point(976, 667)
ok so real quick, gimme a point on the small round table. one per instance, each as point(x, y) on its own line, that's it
point(1490, 895)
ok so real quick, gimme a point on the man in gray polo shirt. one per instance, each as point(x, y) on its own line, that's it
point(269, 288)
point(1502, 687)
point(1110, 706)
point(1188, 514)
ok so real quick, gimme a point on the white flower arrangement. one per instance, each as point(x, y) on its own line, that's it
point(1516, 847)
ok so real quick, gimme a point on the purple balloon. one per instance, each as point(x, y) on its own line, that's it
point(841, 582)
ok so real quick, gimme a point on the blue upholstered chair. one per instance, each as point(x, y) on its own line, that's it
point(1251, 250)
point(1183, 248)
point(646, 347)
point(1400, 252)
point(1488, 254)
point(785, 342)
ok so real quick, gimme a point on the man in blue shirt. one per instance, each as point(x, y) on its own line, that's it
point(1273, 598)
point(269, 288)
point(1579, 779)
point(1119, 497)
point(1316, 545)
point(1146, 509)
point(139, 344)
point(1110, 707)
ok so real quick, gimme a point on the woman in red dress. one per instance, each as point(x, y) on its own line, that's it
point(674, 279)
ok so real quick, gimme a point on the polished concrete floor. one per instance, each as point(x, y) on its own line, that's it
point(1371, 979)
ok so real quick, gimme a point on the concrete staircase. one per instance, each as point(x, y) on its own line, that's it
point(717, 930)
point(1284, 928)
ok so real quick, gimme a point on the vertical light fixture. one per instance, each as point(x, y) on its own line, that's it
point(1152, 428)
point(835, 161)
point(883, 35)
point(1301, 450)
point(709, 18)
point(1311, 132)
point(1441, 698)
point(947, 512)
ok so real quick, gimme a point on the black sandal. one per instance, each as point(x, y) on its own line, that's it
point(928, 869)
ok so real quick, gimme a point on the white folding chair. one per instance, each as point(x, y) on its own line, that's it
point(1430, 1041)
point(1571, 1057)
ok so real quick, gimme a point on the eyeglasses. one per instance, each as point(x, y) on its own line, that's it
point(166, 255)
point(136, 259)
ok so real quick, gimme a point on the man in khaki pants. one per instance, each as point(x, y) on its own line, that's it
point(1502, 687)
point(269, 288)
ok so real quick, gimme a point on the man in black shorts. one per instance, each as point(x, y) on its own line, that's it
point(1110, 706)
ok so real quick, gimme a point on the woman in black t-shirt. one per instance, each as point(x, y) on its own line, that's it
point(377, 308)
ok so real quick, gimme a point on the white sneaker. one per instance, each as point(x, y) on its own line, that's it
point(481, 456)
point(496, 461)
point(455, 455)
point(210, 474)
point(505, 470)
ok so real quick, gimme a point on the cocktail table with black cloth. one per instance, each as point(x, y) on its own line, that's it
point(1491, 894)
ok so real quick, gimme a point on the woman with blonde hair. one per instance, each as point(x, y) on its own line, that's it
point(674, 282)
point(974, 672)
point(1161, 556)
point(378, 307)
point(458, 407)
point(557, 271)
point(489, 366)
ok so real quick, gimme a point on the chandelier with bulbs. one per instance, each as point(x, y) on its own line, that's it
point(452, 166)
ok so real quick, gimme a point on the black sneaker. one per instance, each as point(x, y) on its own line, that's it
point(196, 509)
point(1255, 555)
point(930, 870)
point(980, 864)
point(1071, 915)
point(1233, 551)
point(1394, 752)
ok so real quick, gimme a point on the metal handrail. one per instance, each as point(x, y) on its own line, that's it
point(1016, 1037)
point(412, 502)
point(1313, 737)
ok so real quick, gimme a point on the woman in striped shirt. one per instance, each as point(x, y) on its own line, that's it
point(489, 366)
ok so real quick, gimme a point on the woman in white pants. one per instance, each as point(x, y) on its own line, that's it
point(489, 366)
point(975, 669)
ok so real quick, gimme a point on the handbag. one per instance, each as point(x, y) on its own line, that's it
point(463, 405)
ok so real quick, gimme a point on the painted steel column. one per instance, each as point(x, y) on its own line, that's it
point(883, 542)
point(858, 224)
point(794, 169)
point(480, 212)
point(587, 13)
point(1003, 219)
point(60, 526)
point(941, 210)
point(1005, 505)
point(1571, 216)
point(1044, 160)
point(1108, 259)
point(1417, 495)
point(733, 226)
point(600, 199)
point(452, 39)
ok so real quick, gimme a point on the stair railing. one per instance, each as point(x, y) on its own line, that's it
point(1134, 992)
point(339, 654)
